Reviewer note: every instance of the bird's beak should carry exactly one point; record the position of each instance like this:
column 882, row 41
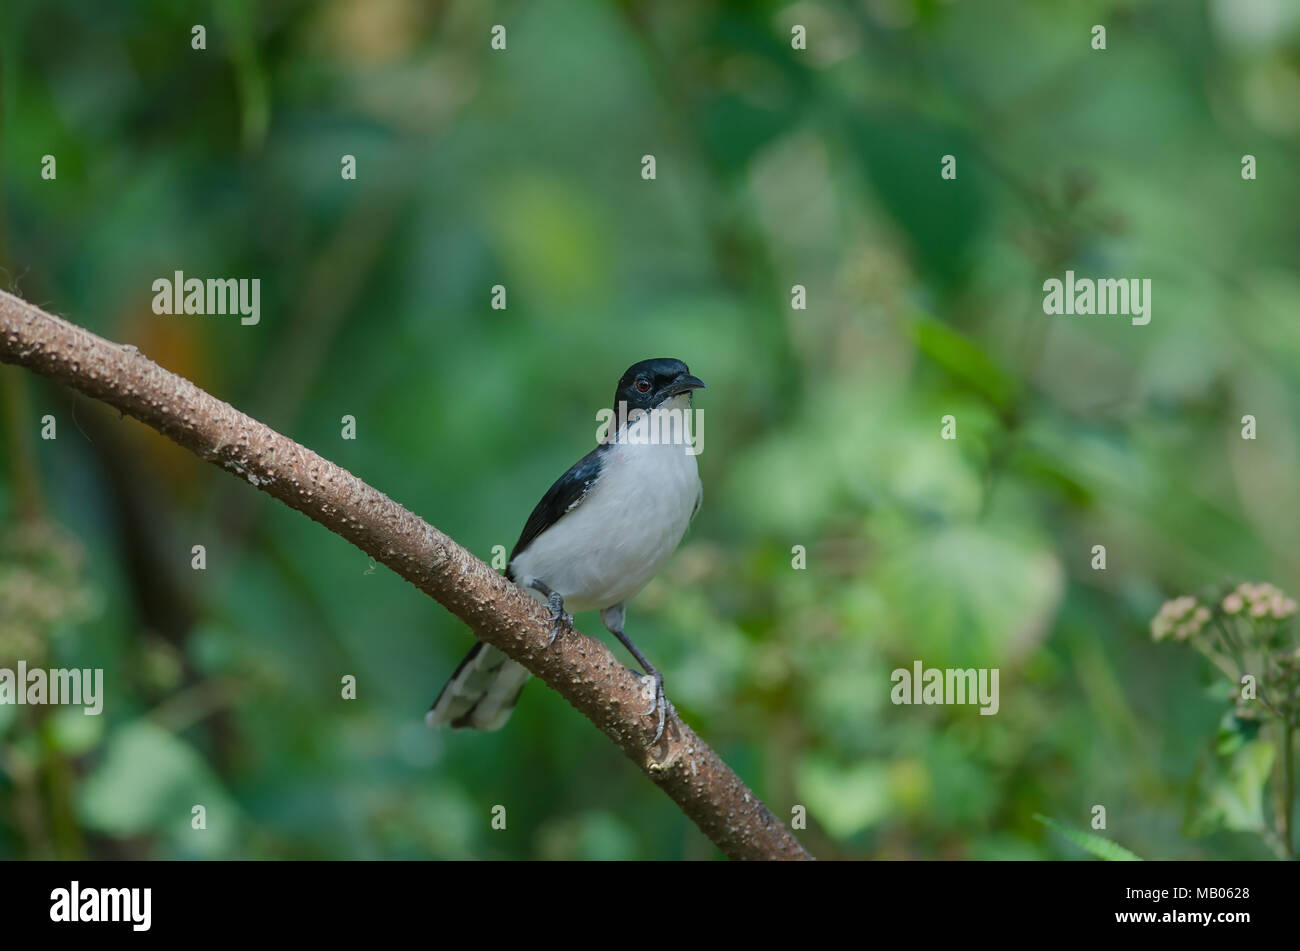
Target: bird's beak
column 684, row 384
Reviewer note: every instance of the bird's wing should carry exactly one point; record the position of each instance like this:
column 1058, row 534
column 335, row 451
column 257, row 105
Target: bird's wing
column 564, row 496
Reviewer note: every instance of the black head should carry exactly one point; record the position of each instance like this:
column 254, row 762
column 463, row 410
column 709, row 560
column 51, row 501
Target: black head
column 647, row 384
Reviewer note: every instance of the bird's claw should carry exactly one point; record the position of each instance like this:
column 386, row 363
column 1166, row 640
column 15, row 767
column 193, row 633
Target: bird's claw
column 561, row 622
column 659, row 703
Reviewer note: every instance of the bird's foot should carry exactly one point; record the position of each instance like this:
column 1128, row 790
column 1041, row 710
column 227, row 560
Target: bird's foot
column 561, row 623
column 654, row 684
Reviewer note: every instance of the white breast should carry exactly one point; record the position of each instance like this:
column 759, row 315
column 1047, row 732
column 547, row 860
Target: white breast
column 607, row 549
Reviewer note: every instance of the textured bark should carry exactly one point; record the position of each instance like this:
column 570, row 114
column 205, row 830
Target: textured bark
column 581, row 669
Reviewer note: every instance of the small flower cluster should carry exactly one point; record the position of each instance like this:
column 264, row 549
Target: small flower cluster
column 1247, row 634
column 1182, row 617
column 1259, row 601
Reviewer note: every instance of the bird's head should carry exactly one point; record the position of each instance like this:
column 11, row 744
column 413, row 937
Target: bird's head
column 652, row 383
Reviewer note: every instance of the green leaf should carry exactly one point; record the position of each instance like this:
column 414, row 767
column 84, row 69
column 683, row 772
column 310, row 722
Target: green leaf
column 148, row 782
column 1234, row 733
column 1096, row 845
column 964, row 361
column 845, row 800
column 1228, row 790
column 72, row 731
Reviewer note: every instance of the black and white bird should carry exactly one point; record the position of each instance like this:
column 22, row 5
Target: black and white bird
column 596, row 538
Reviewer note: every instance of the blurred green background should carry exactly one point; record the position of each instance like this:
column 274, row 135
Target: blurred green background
column 775, row 167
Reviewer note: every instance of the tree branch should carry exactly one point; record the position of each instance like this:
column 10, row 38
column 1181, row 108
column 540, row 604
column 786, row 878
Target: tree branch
column 579, row 668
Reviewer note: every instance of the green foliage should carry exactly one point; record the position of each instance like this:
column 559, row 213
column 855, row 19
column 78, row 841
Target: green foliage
column 1091, row 843
column 148, row 782
column 1228, row 790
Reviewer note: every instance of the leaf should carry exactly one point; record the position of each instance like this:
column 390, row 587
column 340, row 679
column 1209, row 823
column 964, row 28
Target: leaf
column 845, row 800
column 963, row 360
column 1102, row 848
column 73, row 732
column 148, row 782
column 1234, row 732
column 1228, row 790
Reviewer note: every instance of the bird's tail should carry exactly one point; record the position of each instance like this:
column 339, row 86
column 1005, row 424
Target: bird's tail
column 481, row 693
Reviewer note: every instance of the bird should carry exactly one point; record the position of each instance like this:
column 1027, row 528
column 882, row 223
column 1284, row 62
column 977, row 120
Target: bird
column 596, row 538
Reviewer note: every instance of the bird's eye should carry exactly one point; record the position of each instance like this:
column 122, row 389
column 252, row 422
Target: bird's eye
column 643, row 386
